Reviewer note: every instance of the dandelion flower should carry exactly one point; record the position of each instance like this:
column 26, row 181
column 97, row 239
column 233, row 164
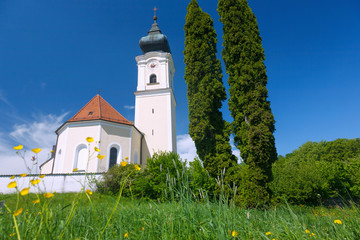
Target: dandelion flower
column 48, row 195
column 96, row 149
column 137, row 167
column 234, row 233
column 88, row 191
column 126, row 235
column 143, row 228
column 23, row 175
column 89, row 139
column 52, row 151
column 127, row 158
column 123, row 163
column 100, row 156
column 24, row 192
column 75, row 170
column 12, row 184
column 18, row 212
column 12, row 177
column 307, row 231
column 36, row 150
column 268, row 233
column 12, row 234
column 36, row 201
column 18, row 147
column 337, row 221
column 42, row 176
column 35, row 181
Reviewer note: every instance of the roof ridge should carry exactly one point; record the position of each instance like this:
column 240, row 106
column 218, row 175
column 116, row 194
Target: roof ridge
column 100, row 116
column 82, row 108
column 99, row 108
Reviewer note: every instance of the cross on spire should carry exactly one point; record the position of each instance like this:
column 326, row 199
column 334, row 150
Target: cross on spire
column 155, row 17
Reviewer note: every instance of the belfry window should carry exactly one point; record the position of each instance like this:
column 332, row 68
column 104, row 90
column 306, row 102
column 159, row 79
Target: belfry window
column 152, row 78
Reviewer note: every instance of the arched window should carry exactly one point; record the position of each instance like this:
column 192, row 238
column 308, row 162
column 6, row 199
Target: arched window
column 113, row 156
column 81, row 158
column 152, row 78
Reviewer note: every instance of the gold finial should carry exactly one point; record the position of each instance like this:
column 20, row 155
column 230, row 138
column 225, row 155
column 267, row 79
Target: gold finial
column 155, row 17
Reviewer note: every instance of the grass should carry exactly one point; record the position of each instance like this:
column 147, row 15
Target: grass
column 174, row 220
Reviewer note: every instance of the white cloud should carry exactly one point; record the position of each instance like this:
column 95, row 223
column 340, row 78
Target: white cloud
column 187, row 150
column 129, row 107
column 186, row 147
column 37, row 134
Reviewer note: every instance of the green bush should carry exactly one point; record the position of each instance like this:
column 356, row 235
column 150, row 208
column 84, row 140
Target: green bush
column 162, row 168
column 150, row 182
column 318, row 171
column 200, row 179
column 115, row 177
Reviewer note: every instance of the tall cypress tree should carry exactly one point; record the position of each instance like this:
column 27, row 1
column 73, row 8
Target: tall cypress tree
column 205, row 92
column 253, row 123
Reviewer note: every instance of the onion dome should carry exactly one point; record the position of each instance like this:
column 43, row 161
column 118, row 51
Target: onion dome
column 155, row 41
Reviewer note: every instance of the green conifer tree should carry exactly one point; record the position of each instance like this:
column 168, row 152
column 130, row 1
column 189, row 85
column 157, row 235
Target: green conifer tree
column 253, row 123
column 205, row 92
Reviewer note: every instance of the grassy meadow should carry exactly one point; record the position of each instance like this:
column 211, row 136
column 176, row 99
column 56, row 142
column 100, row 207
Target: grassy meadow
column 184, row 219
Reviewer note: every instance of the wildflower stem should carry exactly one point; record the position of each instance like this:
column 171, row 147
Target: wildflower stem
column 17, row 228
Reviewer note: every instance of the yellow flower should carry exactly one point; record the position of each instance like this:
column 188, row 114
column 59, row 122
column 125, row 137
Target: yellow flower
column 234, row 233
column 268, row 233
column 338, row 221
column 12, row 177
column 36, row 201
column 96, row 149
column 89, row 139
column 123, row 163
column 24, row 192
column 52, row 151
column 307, row 231
column 313, row 234
column 36, row 150
column 23, row 175
column 12, row 184
column 42, row 176
column 75, row 170
column 48, row 195
column 100, row 156
column 143, row 228
column 137, row 167
column 35, row 181
column 18, row 147
column 126, row 158
column 12, row 234
column 88, row 191
column 126, row 235
column 18, row 212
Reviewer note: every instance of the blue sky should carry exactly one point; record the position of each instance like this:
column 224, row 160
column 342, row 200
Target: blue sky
column 56, row 55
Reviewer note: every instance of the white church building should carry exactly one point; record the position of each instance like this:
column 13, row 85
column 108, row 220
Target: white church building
column 119, row 139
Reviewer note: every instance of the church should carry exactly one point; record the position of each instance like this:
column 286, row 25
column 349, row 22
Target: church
column 118, row 139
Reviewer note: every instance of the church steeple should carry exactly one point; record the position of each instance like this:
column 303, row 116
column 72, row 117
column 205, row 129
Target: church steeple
column 155, row 40
column 154, row 99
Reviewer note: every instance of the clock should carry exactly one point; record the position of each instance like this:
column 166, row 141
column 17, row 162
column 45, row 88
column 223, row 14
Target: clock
column 153, row 65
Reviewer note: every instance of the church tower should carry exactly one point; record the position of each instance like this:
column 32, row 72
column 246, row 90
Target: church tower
column 154, row 98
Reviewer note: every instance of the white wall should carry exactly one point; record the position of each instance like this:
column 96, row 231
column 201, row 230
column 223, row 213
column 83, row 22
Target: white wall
column 53, row 182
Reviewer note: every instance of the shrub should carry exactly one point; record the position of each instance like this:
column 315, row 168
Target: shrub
column 318, row 171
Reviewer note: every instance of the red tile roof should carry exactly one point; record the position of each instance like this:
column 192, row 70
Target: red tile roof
column 97, row 109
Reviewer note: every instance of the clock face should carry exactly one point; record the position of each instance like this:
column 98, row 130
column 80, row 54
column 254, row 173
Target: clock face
column 153, row 65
